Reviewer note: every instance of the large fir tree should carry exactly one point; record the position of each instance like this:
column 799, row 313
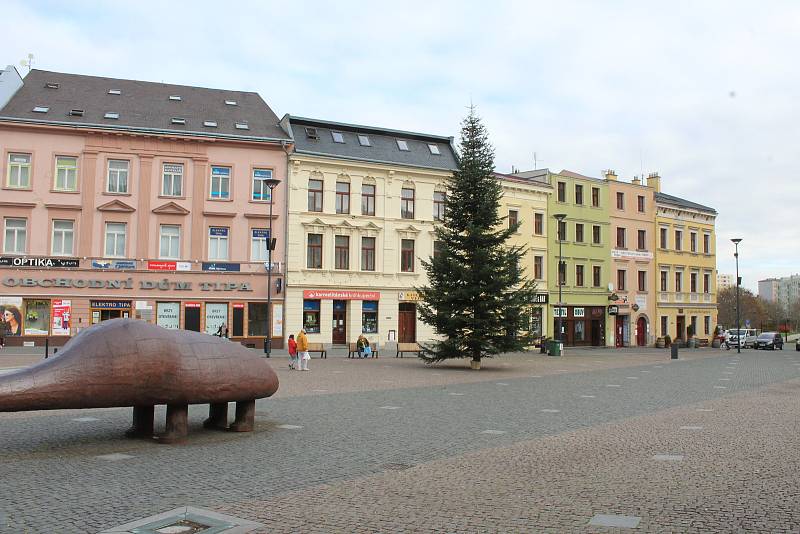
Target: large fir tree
column 477, row 299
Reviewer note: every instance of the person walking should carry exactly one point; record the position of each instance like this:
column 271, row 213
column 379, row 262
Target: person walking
column 302, row 350
column 292, row 352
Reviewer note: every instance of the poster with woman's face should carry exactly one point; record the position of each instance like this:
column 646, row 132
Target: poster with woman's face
column 11, row 315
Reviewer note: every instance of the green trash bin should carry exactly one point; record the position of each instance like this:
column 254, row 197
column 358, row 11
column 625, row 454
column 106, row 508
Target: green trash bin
column 555, row 348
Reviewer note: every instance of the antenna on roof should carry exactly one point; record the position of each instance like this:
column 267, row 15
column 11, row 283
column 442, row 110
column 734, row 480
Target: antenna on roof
column 536, row 161
column 27, row 62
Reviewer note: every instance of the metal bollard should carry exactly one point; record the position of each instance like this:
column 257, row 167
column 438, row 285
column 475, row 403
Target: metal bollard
column 674, row 351
column 46, row 347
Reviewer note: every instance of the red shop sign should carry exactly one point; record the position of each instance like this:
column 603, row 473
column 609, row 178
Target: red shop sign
column 162, row 265
column 314, row 294
column 192, row 305
column 238, row 305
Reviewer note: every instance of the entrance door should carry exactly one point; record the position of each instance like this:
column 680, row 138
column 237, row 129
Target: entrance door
column 681, row 321
column 597, row 333
column 641, row 332
column 191, row 319
column 339, row 322
column 619, row 329
column 407, row 324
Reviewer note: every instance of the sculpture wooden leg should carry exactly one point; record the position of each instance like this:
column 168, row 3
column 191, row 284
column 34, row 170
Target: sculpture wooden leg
column 177, row 423
column 245, row 416
column 217, row 416
column 142, row 426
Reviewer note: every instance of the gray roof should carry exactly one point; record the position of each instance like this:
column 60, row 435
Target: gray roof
column 383, row 144
column 142, row 107
column 681, row 203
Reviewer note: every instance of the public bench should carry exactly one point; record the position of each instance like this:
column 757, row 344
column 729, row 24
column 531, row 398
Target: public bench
column 318, row 347
column 352, row 350
column 407, row 347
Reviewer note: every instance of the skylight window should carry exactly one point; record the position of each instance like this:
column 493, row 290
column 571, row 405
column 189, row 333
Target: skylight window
column 402, row 145
column 41, row 109
column 175, row 97
column 312, row 133
column 242, row 126
column 178, row 120
column 51, row 85
column 76, row 112
column 337, row 137
column 111, row 115
column 363, row 140
column 114, row 92
column 210, row 124
column 434, row 149
column 231, row 103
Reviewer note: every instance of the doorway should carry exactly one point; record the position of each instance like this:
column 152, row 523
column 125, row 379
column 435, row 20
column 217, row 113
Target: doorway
column 641, row 332
column 681, row 322
column 407, row 323
column 339, row 336
column 619, row 330
column 104, row 311
column 191, row 317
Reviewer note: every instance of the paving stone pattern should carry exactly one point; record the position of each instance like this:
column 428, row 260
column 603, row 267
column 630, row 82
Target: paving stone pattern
column 554, row 470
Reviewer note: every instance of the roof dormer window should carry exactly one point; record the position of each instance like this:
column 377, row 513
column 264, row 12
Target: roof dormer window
column 178, row 120
column 402, row 145
column 41, row 109
column 76, row 112
column 51, row 85
column 312, row 133
column 175, row 97
column 434, row 149
column 363, row 140
column 242, row 126
column 114, row 92
column 210, row 124
column 338, row 137
column 231, row 103
column 111, row 115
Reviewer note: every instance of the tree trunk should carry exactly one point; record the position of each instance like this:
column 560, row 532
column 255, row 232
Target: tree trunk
column 475, row 364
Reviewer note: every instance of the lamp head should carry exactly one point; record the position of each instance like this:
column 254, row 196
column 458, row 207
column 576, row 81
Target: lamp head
column 272, row 183
column 736, row 240
column 560, row 216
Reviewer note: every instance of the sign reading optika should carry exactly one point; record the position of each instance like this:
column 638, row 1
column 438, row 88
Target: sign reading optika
column 162, row 285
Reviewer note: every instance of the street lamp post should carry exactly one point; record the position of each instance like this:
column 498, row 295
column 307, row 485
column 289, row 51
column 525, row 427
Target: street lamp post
column 560, row 218
column 272, row 183
column 736, row 242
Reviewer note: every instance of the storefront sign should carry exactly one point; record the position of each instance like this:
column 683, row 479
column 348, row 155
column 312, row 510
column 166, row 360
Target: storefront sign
column 559, row 312
column 121, row 265
column 110, row 304
column 635, row 254
column 578, row 312
column 40, row 263
column 341, row 295
column 613, row 310
column 238, row 305
column 165, row 284
column 409, row 296
column 169, row 266
column 216, row 266
column 540, row 298
column 167, row 315
column 191, row 304
column 62, row 310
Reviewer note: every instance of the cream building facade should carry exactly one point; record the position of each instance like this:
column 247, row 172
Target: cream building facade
column 362, row 205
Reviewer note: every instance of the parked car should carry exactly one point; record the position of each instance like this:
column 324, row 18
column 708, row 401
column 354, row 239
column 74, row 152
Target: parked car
column 797, row 344
column 769, row 340
column 749, row 336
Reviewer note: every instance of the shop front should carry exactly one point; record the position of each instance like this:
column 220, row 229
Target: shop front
column 580, row 325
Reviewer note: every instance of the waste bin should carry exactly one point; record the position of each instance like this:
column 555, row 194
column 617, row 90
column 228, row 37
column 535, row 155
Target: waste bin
column 555, row 348
column 674, row 351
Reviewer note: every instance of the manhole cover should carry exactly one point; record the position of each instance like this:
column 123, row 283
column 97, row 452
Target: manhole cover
column 184, row 526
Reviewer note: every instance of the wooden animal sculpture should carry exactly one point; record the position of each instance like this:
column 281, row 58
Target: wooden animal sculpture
column 126, row 362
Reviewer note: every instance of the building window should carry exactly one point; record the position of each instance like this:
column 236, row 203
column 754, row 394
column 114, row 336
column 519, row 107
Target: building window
column 315, row 195
column 620, row 237
column 437, row 249
column 115, row 240
column 407, row 255
column 261, row 190
column 642, row 239
column 663, row 325
column 562, row 273
column 434, row 149
column 402, row 145
column 693, row 282
column 562, row 231
column 678, row 240
column 259, row 237
column 257, row 319
column 170, row 242
column 693, row 241
column 15, row 236
column 693, row 322
column 369, row 316
column 538, row 267
column 596, row 197
column 218, row 243
column 707, row 324
column 663, row 237
column 640, row 203
column 706, row 244
column 621, row 279
column 63, row 238
column 620, row 201
column 407, row 203
column 642, row 280
column 342, row 252
column 579, row 233
column 513, row 218
column 439, row 200
column 596, row 276
column 538, row 223
column 311, row 316
column 678, row 282
column 579, row 194
column 367, row 199
column 363, row 140
column 338, row 137
column 314, row 253
column 367, row 253
column 117, row 176
column 596, row 234
column 562, row 191
column 19, row 171
column 706, row 283
column 664, row 276
column 579, row 275
column 66, row 173
column 172, row 180
column 220, row 183
column 342, row 197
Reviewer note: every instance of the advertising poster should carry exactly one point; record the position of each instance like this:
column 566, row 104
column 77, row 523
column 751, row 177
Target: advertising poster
column 277, row 320
column 11, row 315
column 216, row 315
column 62, row 310
column 37, row 317
column 168, row 314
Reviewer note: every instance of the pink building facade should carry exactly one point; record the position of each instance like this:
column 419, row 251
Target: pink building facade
column 164, row 218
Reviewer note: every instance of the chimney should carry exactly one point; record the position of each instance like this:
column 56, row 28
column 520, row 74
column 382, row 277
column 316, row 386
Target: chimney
column 636, row 181
column 654, row 181
column 610, row 175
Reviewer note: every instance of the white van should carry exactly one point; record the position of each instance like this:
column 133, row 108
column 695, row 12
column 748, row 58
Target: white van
column 748, row 335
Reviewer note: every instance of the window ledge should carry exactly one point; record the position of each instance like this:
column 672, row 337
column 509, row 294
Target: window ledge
column 170, row 197
column 66, row 191
column 220, row 199
column 110, row 194
column 10, row 188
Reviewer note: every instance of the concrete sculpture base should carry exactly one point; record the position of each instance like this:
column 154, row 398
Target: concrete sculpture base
column 125, row 362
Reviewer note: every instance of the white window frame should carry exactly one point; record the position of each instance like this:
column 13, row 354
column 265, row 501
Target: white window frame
column 169, row 178
column 118, row 177
column 60, row 237
column 114, row 238
column 19, row 167
column 221, row 178
column 216, row 242
column 66, row 175
column 258, row 245
column 172, row 241
column 265, row 191
column 15, row 238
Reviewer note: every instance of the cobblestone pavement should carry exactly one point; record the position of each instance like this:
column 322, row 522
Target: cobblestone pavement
column 529, row 444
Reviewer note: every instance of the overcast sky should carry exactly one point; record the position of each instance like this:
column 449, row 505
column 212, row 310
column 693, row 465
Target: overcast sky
column 705, row 93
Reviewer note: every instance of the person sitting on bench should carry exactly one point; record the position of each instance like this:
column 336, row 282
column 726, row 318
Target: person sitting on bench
column 362, row 345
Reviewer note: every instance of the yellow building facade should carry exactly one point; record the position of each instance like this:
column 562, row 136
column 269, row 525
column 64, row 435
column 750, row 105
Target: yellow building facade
column 685, row 267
